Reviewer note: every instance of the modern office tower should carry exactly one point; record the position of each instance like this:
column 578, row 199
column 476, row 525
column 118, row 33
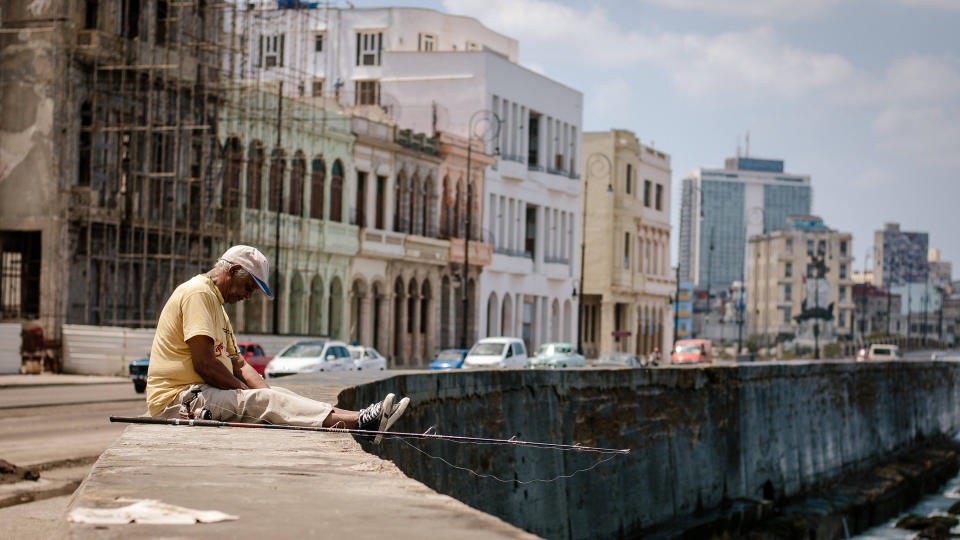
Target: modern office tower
column 722, row 208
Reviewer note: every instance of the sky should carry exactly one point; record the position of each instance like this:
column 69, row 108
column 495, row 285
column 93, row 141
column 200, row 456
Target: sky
column 863, row 95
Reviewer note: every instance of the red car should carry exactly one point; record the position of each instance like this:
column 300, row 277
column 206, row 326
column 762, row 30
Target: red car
column 253, row 354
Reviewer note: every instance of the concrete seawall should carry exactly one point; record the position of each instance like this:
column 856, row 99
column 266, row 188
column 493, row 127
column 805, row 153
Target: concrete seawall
column 699, row 438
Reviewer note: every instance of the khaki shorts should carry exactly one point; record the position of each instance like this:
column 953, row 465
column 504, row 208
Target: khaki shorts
column 260, row 405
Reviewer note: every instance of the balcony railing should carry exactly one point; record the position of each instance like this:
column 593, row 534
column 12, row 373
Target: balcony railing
column 558, row 172
column 534, row 167
column 556, row 260
column 511, row 157
column 575, row 176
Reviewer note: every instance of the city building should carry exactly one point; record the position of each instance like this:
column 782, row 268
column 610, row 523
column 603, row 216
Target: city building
column 111, row 181
column 721, row 208
column 901, row 257
column 627, row 286
column 863, row 276
column 874, row 308
column 288, row 183
column 683, row 311
column 921, row 307
column 941, row 272
column 434, row 73
column 789, row 290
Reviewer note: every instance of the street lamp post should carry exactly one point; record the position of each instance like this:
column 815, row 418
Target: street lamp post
column 484, row 125
column 598, row 165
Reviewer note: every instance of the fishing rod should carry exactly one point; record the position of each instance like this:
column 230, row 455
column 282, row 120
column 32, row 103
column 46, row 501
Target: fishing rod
column 425, row 435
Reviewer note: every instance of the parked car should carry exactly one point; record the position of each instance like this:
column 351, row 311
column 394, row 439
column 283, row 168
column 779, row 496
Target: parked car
column 310, row 357
column 449, row 359
column 618, row 359
column 693, row 351
column 253, row 354
column 557, row 355
column 138, row 373
column 366, row 358
column 497, row 352
column 885, row 352
column 862, row 354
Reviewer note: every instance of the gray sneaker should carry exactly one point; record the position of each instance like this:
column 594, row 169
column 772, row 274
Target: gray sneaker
column 396, row 411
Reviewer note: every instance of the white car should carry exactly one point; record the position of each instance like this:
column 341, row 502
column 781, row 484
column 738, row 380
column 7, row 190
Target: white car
column 367, row 358
column 310, row 357
column 497, row 352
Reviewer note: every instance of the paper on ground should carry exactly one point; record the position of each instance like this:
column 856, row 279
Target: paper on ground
column 147, row 511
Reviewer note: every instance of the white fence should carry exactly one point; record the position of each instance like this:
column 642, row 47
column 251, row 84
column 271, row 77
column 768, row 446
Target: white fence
column 106, row 350
column 10, row 347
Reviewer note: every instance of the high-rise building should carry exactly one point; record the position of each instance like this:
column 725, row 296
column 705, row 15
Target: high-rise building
column 901, row 256
column 721, row 208
column 941, row 272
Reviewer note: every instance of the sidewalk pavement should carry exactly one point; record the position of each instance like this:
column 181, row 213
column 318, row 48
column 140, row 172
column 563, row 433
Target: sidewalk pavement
column 50, row 379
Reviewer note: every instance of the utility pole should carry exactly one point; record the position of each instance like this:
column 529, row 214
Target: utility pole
column 276, row 273
column 490, row 124
column 676, row 308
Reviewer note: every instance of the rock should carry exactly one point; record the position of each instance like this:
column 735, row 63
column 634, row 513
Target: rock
column 928, row 524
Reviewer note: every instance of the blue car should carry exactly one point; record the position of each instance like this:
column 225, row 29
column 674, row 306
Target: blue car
column 138, row 372
column 449, row 359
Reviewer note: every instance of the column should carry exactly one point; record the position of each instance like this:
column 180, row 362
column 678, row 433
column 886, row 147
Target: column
column 365, row 319
column 606, row 326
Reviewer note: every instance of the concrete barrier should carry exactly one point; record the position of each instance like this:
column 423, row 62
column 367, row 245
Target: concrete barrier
column 699, row 438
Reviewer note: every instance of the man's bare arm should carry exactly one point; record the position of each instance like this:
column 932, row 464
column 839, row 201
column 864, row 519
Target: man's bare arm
column 210, row 369
column 245, row 372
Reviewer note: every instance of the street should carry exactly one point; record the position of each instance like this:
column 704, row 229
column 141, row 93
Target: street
column 61, row 429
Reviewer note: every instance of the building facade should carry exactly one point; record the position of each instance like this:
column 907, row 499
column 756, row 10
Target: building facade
column 721, row 208
column 434, row 73
column 109, row 186
column 876, row 311
column 288, row 184
column 627, row 286
column 901, row 257
column 784, row 282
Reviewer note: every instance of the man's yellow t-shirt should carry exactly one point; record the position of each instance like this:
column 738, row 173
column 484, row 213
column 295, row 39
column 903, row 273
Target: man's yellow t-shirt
column 194, row 309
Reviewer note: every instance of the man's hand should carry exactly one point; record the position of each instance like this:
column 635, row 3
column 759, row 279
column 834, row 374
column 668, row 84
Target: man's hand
column 211, row 370
column 245, row 372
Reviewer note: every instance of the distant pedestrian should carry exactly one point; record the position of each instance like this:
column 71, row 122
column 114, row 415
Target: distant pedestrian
column 196, row 370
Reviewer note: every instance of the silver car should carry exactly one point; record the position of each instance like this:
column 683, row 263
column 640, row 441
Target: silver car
column 366, row 358
column 310, row 357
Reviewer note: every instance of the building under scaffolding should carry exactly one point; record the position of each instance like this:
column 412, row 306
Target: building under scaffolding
column 111, row 171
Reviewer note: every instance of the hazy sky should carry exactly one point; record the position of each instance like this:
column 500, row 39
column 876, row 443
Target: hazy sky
column 863, row 95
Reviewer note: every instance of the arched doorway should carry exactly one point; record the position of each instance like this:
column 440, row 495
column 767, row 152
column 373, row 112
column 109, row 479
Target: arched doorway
column 555, row 320
column 398, row 303
column 426, row 322
column 335, row 312
column 296, row 305
column 446, row 336
column 567, row 314
column 358, row 292
column 492, row 315
column 316, row 306
column 506, row 317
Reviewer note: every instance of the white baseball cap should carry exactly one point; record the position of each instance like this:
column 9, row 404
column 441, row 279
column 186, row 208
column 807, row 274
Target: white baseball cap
column 250, row 259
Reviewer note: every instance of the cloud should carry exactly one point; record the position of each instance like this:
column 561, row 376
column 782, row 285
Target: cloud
column 926, row 133
column 922, row 78
column 767, row 9
column 743, row 62
column 935, row 4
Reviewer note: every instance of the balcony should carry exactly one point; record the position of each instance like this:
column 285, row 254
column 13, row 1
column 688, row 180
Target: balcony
column 556, row 270
column 379, row 243
column 481, row 253
column 426, row 250
column 260, row 227
column 511, row 263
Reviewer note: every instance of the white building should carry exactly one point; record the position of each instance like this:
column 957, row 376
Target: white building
column 431, row 72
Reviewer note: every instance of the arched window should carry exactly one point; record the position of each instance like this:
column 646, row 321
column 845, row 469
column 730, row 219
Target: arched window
column 445, row 208
column 318, row 172
column 457, row 205
column 233, row 161
column 297, row 172
column 254, row 173
column 336, row 191
column 278, row 164
column 398, row 192
column 412, row 198
column 427, row 213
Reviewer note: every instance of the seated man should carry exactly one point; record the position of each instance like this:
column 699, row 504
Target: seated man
column 196, row 370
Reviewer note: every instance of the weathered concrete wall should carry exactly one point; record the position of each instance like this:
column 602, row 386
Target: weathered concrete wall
column 698, row 437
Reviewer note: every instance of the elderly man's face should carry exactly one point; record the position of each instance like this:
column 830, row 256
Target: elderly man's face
column 239, row 288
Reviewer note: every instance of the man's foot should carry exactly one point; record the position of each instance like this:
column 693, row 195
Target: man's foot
column 382, row 415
